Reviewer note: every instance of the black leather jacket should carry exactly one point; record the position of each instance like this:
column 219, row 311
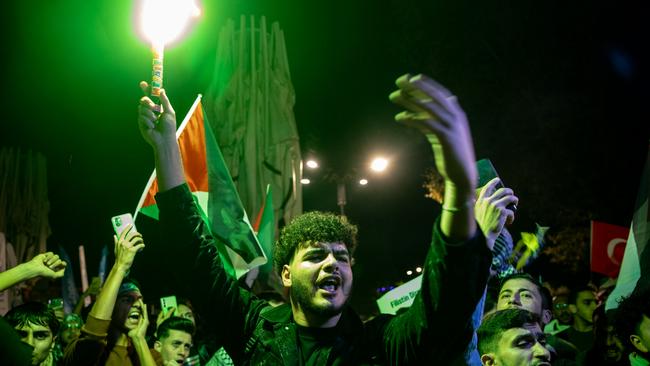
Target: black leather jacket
column 435, row 329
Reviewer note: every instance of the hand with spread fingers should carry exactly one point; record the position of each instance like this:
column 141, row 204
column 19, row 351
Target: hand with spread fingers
column 127, row 245
column 491, row 209
column 435, row 111
column 432, row 109
column 157, row 129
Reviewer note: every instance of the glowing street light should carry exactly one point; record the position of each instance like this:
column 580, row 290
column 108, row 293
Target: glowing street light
column 305, row 181
column 312, row 164
column 409, row 272
column 161, row 22
column 363, row 182
column 418, row 269
column 379, row 164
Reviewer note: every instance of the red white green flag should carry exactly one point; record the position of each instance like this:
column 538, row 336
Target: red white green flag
column 214, row 191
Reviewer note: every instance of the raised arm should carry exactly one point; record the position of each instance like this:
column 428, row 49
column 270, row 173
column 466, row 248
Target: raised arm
column 219, row 299
column 432, row 109
column 437, row 327
column 47, row 265
column 159, row 131
column 126, row 246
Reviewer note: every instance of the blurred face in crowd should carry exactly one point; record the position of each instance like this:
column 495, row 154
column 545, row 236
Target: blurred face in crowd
column 70, row 329
column 583, row 309
column 128, row 310
column 38, row 336
column 523, row 294
column 561, row 310
column 184, row 311
column 175, row 348
column 320, row 279
column 641, row 340
column 613, row 351
column 524, row 346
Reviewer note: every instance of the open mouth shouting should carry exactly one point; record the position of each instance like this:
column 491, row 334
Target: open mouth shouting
column 329, row 284
column 134, row 314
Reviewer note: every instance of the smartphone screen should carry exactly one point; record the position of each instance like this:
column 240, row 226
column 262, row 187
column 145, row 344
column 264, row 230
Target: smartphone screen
column 487, row 172
column 167, row 302
column 120, row 223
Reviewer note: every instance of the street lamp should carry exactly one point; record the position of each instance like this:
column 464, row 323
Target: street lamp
column 378, row 165
column 312, row 164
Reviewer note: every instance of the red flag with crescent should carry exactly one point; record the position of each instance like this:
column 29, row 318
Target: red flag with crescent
column 607, row 247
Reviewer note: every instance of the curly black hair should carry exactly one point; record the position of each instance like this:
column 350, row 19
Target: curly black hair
column 313, row 227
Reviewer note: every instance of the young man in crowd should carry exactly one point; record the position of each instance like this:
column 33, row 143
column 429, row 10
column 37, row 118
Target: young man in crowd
column 582, row 303
column 173, row 341
column 114, row 333
column 522, row 291
column 512, row 337
column 562, row 317
column 633, row 327
column 37, row 326
column 47, row 265
column 314, row 258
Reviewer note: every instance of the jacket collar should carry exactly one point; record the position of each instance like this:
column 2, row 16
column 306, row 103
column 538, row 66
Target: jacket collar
column 349, row 322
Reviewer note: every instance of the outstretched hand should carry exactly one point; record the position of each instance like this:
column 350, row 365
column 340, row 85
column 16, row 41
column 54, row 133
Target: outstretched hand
column 491, row 209
column 94, row 288
column 435, row 111
column 127, row 245
column 47, row 265
column 156, row 128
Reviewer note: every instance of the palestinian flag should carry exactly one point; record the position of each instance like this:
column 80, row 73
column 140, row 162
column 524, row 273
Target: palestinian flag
column 635, row 268
column 265, row 228
column 214, row 191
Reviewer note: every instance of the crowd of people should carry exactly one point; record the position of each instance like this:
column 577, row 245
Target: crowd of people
column 452, row 320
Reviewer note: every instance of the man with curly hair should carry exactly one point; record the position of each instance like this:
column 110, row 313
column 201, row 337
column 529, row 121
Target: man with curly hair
column 314, row 258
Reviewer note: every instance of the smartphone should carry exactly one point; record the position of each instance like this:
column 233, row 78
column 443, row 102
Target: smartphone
column 167, row 302
column 487, row 172
column 120, row 223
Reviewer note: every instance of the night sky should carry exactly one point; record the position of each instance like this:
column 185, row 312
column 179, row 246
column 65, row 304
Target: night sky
column 555, row 92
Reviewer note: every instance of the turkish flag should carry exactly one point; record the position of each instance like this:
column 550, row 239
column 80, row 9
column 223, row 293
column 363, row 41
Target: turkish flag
column 607, row 247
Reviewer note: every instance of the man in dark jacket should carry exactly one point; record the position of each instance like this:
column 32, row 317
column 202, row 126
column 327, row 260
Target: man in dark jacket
column 314, row 256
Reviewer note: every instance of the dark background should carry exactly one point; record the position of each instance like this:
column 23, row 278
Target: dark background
column 556, row 93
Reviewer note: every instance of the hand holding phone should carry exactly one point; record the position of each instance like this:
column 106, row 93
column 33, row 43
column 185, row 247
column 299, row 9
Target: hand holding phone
column 167, row 303
column 487, row 172
column 120, row 223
